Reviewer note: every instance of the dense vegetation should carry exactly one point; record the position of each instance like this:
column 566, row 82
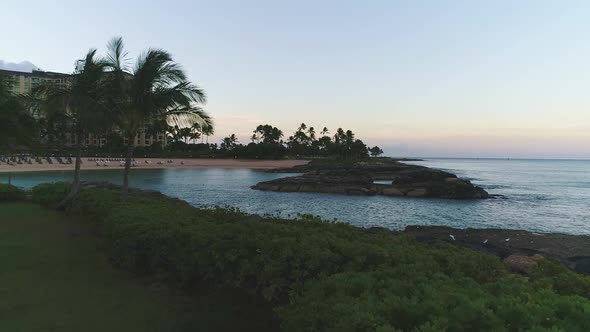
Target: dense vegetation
column 11, row 193
column 266, row 142
column 330, row 276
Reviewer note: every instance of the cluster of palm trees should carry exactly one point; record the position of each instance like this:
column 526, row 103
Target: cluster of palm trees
column 343, row 144
column 189, row 134
column 268, row 141
column 229, row 142
column 109, row 92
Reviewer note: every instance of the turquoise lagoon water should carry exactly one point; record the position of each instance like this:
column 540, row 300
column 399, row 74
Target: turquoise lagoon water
column 539, row 195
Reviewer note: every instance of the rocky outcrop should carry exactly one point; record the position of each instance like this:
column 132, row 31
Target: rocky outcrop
column 519, row 249
column 523, row 264
column 383, row 177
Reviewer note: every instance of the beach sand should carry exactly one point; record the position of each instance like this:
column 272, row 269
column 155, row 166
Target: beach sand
column 152, row 163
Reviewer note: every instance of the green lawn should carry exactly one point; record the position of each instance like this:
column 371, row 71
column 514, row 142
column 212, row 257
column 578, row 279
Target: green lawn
column 55, row 277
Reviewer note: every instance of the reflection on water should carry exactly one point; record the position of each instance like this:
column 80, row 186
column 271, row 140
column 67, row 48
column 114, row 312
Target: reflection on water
column 550, row 196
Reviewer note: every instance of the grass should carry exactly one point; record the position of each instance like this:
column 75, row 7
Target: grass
column 54, row 276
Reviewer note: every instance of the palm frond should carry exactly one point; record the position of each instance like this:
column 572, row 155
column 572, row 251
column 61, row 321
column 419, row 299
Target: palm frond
column 185, row 117
column 194, row 93
column 156, row 68
column 117, row 55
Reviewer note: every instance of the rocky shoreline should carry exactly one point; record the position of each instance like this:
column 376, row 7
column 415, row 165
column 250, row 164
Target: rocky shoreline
column 379, row 176
column 519, row 249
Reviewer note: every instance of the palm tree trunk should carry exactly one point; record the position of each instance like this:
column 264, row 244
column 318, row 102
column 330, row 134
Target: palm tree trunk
column 128, row 157
column 76, row 184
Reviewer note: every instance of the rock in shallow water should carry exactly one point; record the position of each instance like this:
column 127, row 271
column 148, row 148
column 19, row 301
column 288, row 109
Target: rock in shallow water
column 359, row 179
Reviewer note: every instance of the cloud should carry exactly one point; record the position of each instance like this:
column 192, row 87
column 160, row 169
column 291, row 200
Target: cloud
column 23, row 66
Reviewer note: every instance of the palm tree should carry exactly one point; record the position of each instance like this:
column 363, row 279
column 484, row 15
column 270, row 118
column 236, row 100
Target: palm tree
column 79, row 106
column 229, row 142
column 268, row 134
column 185, row 134
column 302, row 127
column 311, row 133
column 207, row 131
column 339, row 136
column 197, row 132
column 155, row 88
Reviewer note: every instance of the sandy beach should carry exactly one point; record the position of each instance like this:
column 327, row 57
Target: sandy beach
column 156, row 163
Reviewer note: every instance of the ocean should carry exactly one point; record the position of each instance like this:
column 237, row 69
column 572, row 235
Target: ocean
column 536, row 195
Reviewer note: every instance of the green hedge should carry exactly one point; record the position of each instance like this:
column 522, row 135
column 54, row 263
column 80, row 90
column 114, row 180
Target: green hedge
column 11, row 193
column 50, row 194
column 330, row 276
column 270, row 256
column 409, row 300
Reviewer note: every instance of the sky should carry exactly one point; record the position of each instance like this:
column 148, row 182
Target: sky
column 507, row 79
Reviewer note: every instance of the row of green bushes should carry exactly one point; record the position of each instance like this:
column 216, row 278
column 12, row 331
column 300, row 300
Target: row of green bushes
column 10, row 193
column 330, row 276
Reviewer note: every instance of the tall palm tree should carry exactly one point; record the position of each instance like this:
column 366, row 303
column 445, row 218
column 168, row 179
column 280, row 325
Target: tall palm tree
column 268, row 134
column 197, row 132
column 78, row 105
column 155, row 88
column 207, row 131
column 311, row 133
column 229, row 142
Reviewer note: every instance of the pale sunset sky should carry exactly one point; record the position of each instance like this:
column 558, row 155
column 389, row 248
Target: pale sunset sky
column 418, row 78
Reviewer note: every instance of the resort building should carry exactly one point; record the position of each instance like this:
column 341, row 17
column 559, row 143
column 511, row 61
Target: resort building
column 24, row 82
column 142, row 139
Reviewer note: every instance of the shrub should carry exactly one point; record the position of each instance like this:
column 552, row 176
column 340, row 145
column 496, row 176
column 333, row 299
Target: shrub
column 11, row 193
column 331, row 276
column 50, row 194
column 270, row 256
column 409, row 300
column 94, row 204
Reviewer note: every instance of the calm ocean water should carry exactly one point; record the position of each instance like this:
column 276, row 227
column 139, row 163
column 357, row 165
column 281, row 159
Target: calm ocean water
column 539, row 195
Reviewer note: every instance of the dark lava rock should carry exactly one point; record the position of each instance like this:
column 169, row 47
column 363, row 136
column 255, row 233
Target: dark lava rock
column 581, row 264
column 358, row 178
column 572, row 250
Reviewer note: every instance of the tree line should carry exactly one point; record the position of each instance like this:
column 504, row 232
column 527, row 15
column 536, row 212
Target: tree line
column 267, row 140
